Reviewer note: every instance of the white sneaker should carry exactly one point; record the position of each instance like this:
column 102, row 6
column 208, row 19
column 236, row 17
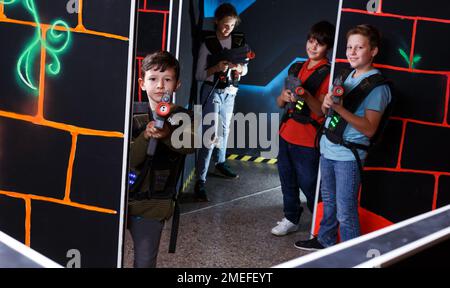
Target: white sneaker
column 284, row 227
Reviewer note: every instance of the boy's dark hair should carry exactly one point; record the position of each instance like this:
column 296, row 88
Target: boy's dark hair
column 368, row 31
column 323, row 32
column 160, row 61
column 227, row 10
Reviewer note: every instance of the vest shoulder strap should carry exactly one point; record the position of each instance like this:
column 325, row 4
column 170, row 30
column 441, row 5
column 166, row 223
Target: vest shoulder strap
column 356, row 96
column 237, row 39
column 295, row 68
column 342, row 76
column 211, row 42
column 376, row 138
column 314, row 81
column 208, row 34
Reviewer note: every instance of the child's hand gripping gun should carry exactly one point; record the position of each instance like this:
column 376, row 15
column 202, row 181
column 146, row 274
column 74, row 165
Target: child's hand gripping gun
column 338, row 92
column 294, row 85
column 159, row 115
column 240, row 55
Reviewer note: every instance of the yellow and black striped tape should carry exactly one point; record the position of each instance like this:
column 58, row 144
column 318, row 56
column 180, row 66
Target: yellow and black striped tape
column 244, row 158
column 255, row 159
column 188, row 181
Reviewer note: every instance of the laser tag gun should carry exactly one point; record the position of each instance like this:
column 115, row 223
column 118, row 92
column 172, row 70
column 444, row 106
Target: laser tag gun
column 240, row 55
column 338, row 92
column 294, row 85
column 159, row 116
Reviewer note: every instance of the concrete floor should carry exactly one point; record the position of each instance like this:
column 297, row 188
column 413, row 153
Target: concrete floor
column 232, row 230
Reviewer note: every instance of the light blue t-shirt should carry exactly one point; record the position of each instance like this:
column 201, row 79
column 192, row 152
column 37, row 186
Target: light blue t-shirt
column 377, row 100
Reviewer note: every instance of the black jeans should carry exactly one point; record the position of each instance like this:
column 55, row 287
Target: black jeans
column 146, row 234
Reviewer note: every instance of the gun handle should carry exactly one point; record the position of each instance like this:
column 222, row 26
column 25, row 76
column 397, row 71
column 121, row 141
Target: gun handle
column 151, row 148
column 153, row 142
column 336, row 100
column 159, row 122
column 330, row 112
column 289, row 107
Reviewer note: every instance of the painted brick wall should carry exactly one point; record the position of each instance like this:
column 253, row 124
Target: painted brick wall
column 408, row 175
column 61, row 144
column 152, row 34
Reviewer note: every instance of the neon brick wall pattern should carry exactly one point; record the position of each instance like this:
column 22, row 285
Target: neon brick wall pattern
column 416, row 19
column 445, row 122
column 405, row 121
column 164, row 32
column 154, row 5
column 39, row 119
column 411, row 69
column 139, row 59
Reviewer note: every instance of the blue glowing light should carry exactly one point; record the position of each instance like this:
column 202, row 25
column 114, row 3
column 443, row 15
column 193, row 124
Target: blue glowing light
column 211, row 5
column 273, row 86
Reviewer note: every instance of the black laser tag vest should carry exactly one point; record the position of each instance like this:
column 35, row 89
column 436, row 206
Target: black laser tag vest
column 352, row 100
column 164, row 169
column 214, row 47
column 312, row 85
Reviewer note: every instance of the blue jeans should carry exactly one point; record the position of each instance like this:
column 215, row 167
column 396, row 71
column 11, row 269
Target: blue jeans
column 297, row 168
column 222, row 105
column 339, row 189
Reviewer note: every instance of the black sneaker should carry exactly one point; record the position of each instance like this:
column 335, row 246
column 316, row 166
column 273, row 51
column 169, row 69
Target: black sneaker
column 309, row 245
column 225, row 170
column 200, row 191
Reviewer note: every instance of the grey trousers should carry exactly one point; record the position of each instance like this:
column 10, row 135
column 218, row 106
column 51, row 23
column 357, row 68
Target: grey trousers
column 146, row 234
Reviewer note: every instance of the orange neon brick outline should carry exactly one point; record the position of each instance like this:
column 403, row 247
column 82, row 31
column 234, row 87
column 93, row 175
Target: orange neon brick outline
column 39, row 119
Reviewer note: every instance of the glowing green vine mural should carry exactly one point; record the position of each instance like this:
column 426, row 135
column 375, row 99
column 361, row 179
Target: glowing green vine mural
column 415, row 59
column 55, row 43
